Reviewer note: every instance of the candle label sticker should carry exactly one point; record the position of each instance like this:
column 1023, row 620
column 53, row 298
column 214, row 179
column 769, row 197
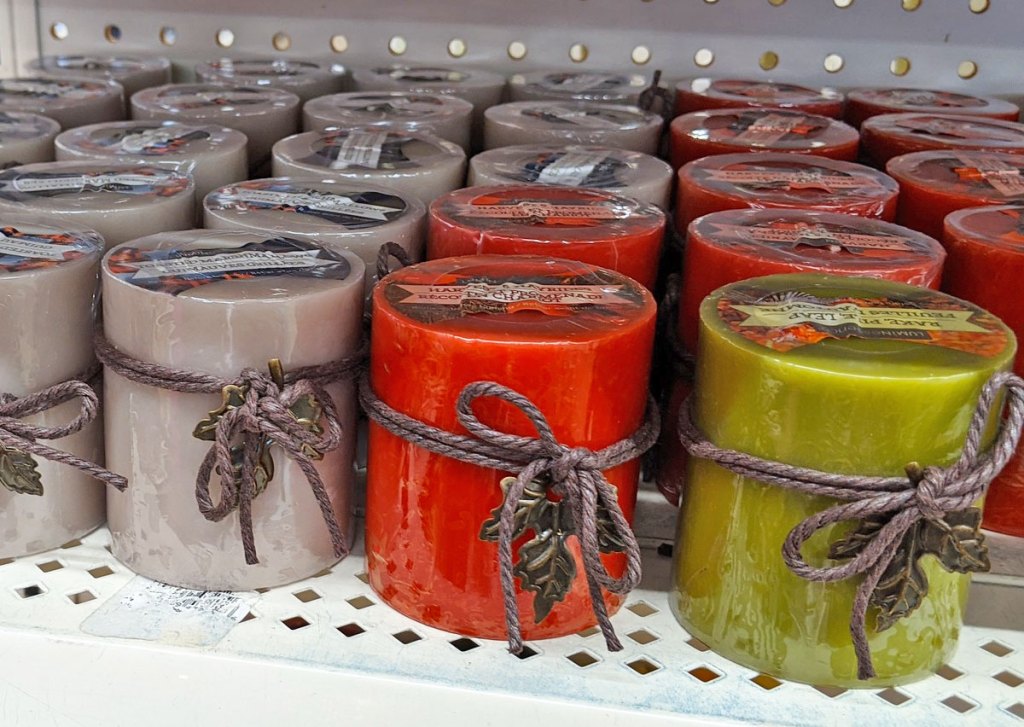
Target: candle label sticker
column 352, row 210
column 830, row 237
column 423, row 75
column 765, row 129
column 995, row 225
column 989, row 170
column 362, row 150
column 786, row 321
column 382, row 107
column 175, row 270
column 580, row 82
column 568, row 169
column 542, row 212
column 758, row 177
column 205, row 97
column 958, row 129
column 51, row 90
column 23, row 127
column 916, row 98
column 141, row 181
column 144, row 140
column 589, row 118
column 33, row 249
column 770, row 91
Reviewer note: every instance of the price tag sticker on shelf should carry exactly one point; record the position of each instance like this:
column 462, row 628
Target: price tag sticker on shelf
column 153, row 611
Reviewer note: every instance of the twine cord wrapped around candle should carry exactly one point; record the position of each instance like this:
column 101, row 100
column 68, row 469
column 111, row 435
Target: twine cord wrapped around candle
column 924, row 495
column 263, row 410
column 574, row 473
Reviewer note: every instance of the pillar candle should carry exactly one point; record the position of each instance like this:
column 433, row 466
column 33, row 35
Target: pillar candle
column 215, row 155
column 772, row 180
column 864, row 103
column 572, row 122
column 618, row 88
column 888, row 135
column 706, row 93
column 264, row 115
column 133, row 73
column 410, row 164
column 26, row 138
column 590, row 225
column 848, row 375
column 584, row 365
column 306, row 79
column 339, row 215
column 728, row 131
column 446, row 117
column 48, row 285
column 986, row 267
column 68, row 101
column 935, row 183
column 218, row 302
column 118, row 200
column 629, row 173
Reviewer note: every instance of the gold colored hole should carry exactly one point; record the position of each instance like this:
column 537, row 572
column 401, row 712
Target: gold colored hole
column 704, row 57
column 911, row 5
column 457, row 47
column 768, row 60
column 843, row 3
column 339, row 43
column 59, row 30
column 978, row 6
column 834, row 63
column 112, row 33
column 578, row 52
column 397, row 45
column 776, row 3
column 225, row 38
column 517, row 50
column 967, row 69
column 899, row 66
column 711, row 2
column 641, row 55
column 168, row 35
column 282, row 41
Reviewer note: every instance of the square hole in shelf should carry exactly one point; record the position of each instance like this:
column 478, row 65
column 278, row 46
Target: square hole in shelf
column 74, row 544
column 698, row 644
column 351, row 629
column 6, row 561
column 463, row 644
column 665, row 550
column 704, row 674
column 894, row 696
column 360, row 602
column 261, row 590
column 642, row 609
column 831, row 692
column 101, row 571
column 766, row 682
column 307, row 595
column 295, row 622
column 363, row 577
column 528, row 652
column 1017, row 710
column 583, row 659
column 321, row 574
column 82, row 597
column 408, row 636
column 959, row 704
column 997, row 648
column 50, row 566
column 949, row 673
column 1009, row 678
column 642, row 636
column 248, row 617
column 30, row 591
column 587, row 633
column 643, row 666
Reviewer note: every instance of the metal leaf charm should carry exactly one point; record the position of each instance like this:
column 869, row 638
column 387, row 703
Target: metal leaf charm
column 957, row 541
column 232, row 398
column 18, row 472
column 307, row 412
column 262, row 473
column 533, row 511
column 547, row 568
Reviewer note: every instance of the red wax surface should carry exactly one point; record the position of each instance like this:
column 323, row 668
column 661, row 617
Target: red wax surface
column 728, row 131
column 889, row 135
column 585, row 366
column 726, row 247
column 771, row 180
column 864, row 103
column 935, row 183
column 986, row 267
column 589, row 225
column 704, row 93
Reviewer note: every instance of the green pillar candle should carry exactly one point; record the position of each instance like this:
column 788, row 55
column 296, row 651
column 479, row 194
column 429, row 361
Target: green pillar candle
column 843, row 375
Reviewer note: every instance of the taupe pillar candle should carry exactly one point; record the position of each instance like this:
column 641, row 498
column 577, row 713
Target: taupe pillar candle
column 120, row 201
column 26, row 138
column 134, row 73
column 340, row 215
column 412, row 165
column 629, row 173
column 264, row 115
column 218, row 302
column 446, row 117
column 216, row 154
column 70, row 102
column 306, row 79
column 616, row 88
column 572, row 122
column 48, row 296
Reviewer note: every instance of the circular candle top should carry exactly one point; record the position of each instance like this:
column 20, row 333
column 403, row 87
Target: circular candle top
column 578, row 86
column 921, row 132
column 858, row 326
column 39, row 95
column 115, row 68
column 16, row 126
column 571, row 166
column 990, row 177
column 572, row 116
column 213, row 100
column 149, row 139
column 759, row 93
column 432, row 79
column 1001, row 227
column 546, row 214
column 789, row 180
column 934, row 102
column 278, row 72
column 373, row 149
column 762, row 128
column 405, row 110
column 801, row 237
column 71, row 186
column 28, row 244
column 233, row 267
column 284, row 205
column 503, row 299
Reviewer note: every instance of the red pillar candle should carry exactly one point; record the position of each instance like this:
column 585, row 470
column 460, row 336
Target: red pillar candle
column 864, row 103
column 889, row 135
column 771, row 180
column 986, row 267
column 441, row 325
column 589, row 225
column 705, row 93
column 935, row 183
column 728, row 131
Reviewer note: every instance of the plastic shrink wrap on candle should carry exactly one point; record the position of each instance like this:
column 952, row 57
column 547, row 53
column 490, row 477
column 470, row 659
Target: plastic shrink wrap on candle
column 889, row 135
column 618, row 88
column 307, row 79
column 70, row 102
column 26, row 138
column 134, row 73
column 864, row 103
column 700, row 94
